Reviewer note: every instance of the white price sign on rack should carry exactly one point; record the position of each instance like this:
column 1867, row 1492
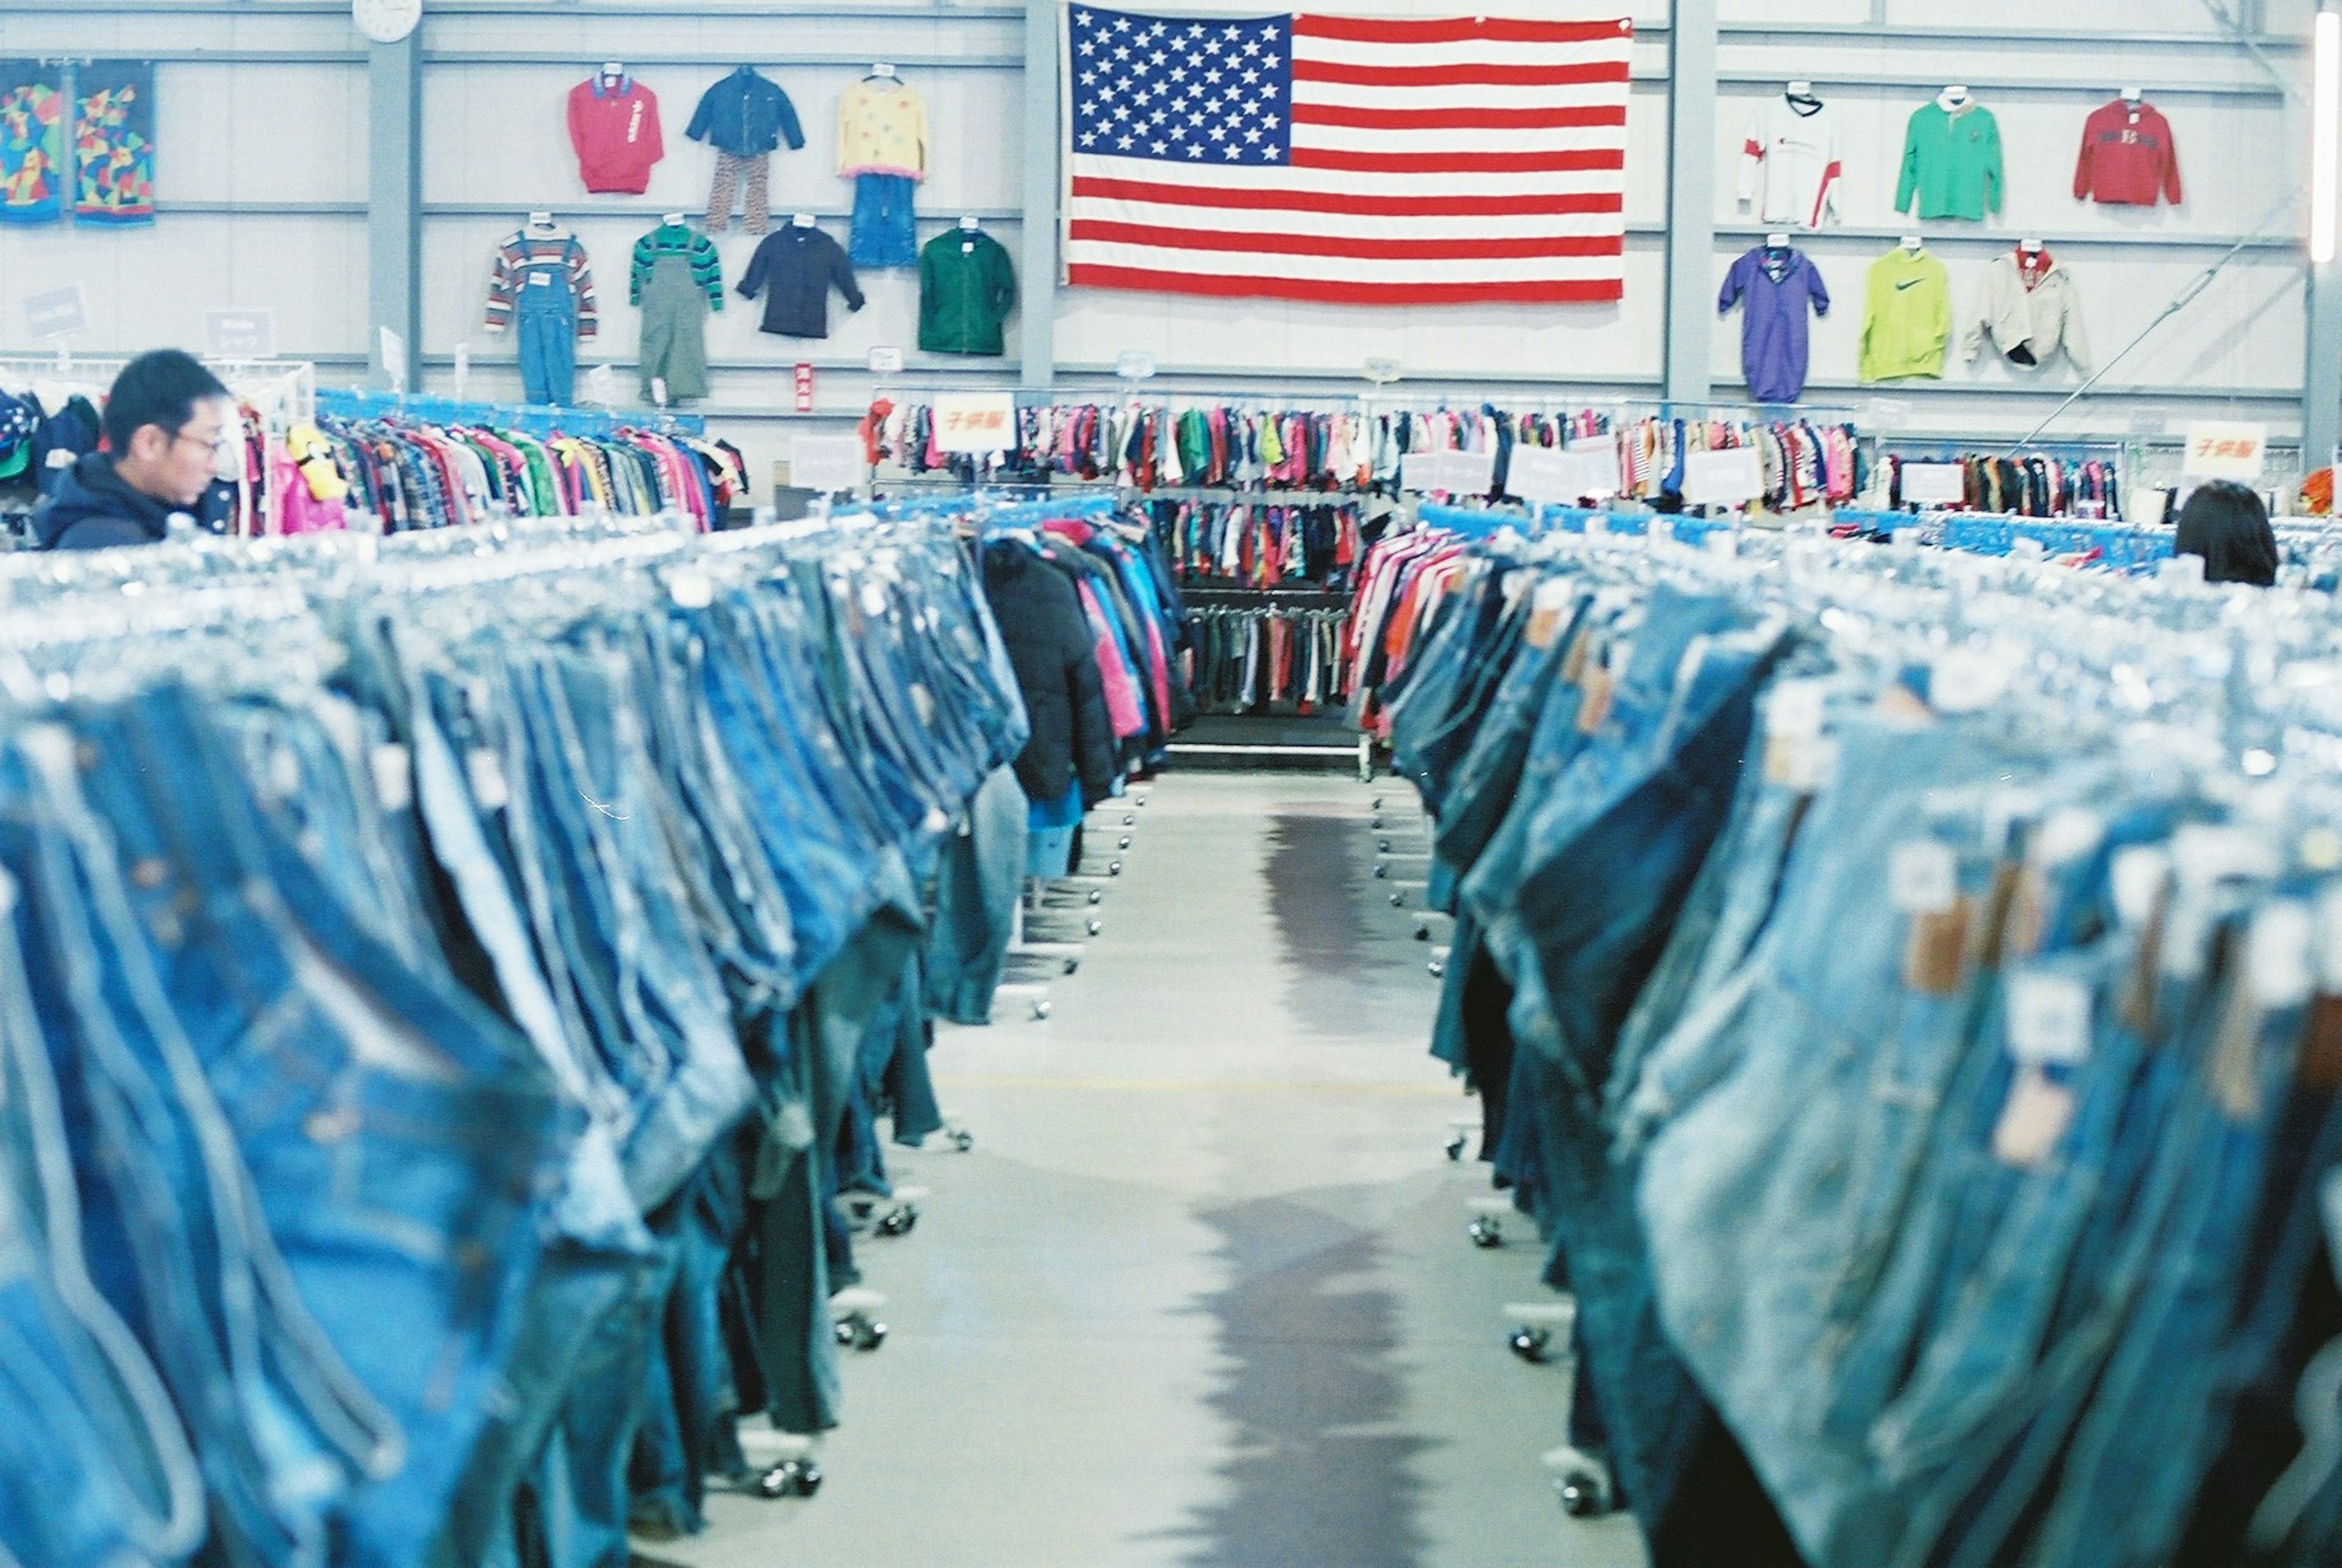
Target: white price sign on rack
column 976, row 421
column 827, row 463
column 1449, row 472
column 1594, row 466
column 2225, row 449
column 1934, row 484
column 1726, row 478
column 1541, row 473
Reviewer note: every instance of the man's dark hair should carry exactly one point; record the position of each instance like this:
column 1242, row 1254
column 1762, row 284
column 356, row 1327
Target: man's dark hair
column 158, row 388
column 2226, row 524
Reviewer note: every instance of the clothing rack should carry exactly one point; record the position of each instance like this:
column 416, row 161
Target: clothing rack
column 1114, row 396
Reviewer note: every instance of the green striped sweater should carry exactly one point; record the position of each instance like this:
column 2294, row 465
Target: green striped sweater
column 675, row 240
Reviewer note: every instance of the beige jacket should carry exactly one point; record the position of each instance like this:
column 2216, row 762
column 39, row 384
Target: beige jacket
column 2038, row 321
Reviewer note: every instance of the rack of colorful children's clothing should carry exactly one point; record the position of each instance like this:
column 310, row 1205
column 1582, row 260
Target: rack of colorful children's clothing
column 50, row 410
column 1318, row 442
column 1897, row 986
column 427, row 462
column 1816, row 459
column 1096, row 636
column 2064, row 479
column 485, row 960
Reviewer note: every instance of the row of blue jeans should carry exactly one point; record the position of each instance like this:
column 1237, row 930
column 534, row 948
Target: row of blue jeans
column 1927, row 1112
column 425, row 1089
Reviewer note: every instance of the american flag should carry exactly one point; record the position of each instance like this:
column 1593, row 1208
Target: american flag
column 1357, row 160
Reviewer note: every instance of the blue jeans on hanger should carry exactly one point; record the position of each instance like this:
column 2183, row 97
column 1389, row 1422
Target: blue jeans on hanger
column 884, row 234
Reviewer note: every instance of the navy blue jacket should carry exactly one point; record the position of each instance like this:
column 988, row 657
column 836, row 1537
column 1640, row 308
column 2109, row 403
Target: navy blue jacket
column 95, row 510
column 745, row 114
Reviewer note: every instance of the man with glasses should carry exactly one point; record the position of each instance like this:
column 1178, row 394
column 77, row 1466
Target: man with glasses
column 165, row 421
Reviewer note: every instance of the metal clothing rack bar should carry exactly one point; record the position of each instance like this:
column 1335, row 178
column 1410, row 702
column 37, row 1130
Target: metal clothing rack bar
column 1105, row 397
column 1250, row 497
column 538, row 419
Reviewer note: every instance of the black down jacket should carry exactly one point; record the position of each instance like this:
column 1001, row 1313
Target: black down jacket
column 1049, row 644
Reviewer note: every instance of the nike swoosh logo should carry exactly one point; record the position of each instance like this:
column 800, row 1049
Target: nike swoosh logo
column 1913, row 283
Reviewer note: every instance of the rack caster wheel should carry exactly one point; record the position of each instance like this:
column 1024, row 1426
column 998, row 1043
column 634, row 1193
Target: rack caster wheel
column 1422, row 931
column 1438, row 968
column 1094, row 926
column 859, row 1332
column 899, row 1221
column 1129, row 819
column 961, row 1139
column 1123, row 842
column 1098, row 895
column 1583, row 1496
column 1040, row 1009
column 1378, row 802
column 1073, row 966
column 1382, row 871
column 1383, row 845
column 1530, row 1343
column 1114, row 868
column 1398, row 900
column 1455, row 1147
column 790, row 1478
column 1485, row 1232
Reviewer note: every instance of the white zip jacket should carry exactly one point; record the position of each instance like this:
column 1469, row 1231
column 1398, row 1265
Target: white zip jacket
column 2038, row 321
column 1791, row 160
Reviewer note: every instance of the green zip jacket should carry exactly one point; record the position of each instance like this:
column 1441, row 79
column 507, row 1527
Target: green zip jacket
column 1907, row 319
column 1951, row 162
column 965, row 289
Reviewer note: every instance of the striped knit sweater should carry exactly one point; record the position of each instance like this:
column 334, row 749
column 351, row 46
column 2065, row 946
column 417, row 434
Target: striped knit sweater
column 675, row 240
column 524, row 253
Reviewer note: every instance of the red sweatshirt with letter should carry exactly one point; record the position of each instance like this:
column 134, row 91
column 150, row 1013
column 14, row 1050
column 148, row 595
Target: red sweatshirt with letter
column 2127, row 157
column 616, row 130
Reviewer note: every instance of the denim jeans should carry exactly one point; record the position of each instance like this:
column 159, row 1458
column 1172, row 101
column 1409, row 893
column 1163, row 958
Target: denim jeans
column 884, row 233
column 978, row 881
column 95, row 1464
column 339, row 1073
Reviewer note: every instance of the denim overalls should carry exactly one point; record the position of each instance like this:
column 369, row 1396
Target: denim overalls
column 547, row 312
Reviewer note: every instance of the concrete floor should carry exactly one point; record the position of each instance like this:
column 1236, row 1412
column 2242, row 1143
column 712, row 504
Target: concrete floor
column 1201, row 1294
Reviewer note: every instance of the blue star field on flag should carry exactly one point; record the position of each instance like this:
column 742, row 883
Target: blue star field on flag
column 1215, row 93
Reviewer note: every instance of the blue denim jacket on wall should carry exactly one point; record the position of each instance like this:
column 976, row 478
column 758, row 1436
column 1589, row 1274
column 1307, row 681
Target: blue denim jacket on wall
column 745, row 114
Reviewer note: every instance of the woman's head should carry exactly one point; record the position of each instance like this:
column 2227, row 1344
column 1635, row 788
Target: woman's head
column 2226, row 524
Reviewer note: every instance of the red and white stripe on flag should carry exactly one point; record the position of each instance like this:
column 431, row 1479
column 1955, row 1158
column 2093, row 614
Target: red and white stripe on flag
column 1353, row 160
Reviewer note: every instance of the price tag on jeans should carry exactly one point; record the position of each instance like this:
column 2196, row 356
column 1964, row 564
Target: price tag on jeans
column 486, row 771
column 2067, row 833
column 2277, row 953
column 1922, row 876
column 2138, row 873
column 2048, row 1018
column 284, row 773
column 691, row 590
column 1795, row 708
column 8, row 893
column 393, row 776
